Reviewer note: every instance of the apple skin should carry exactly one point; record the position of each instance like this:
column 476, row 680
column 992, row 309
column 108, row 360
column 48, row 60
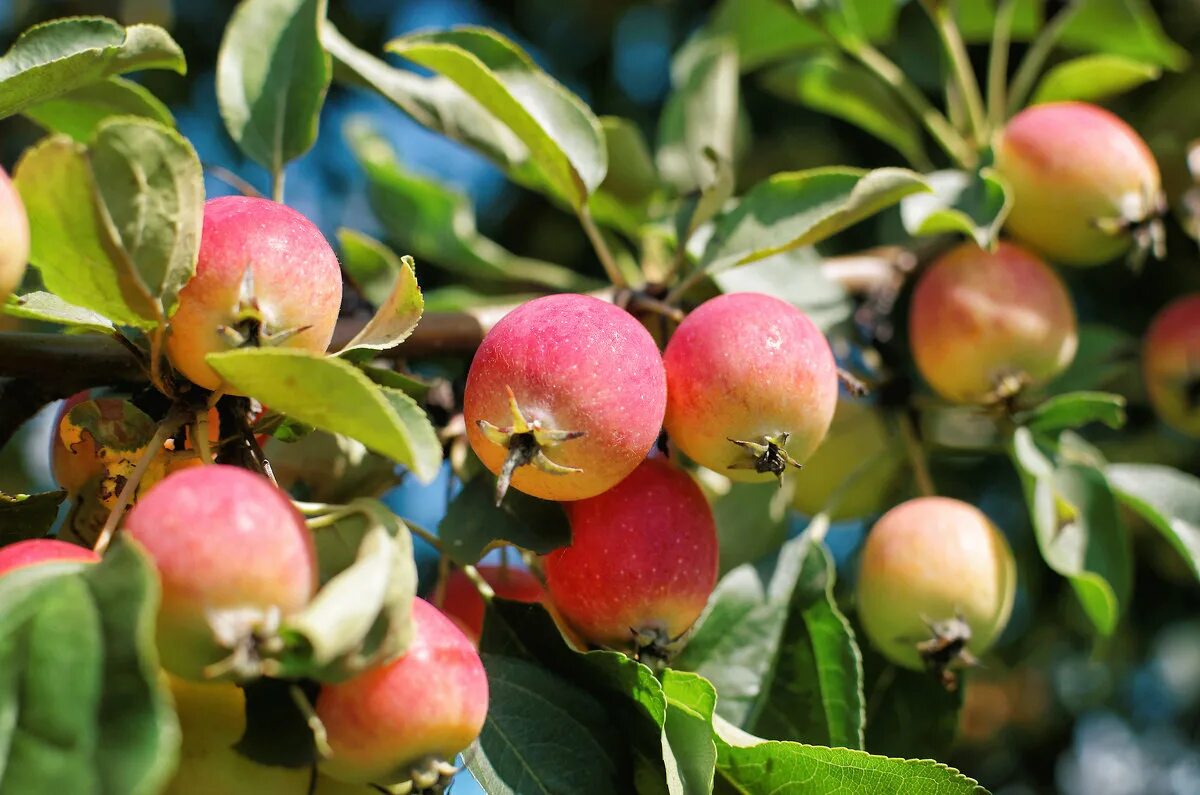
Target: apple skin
column 643, row 558
column 977, row 317
column 429, row 702
column 574, row 363
column 930, row 558
column 1069, row 164
column 859, row 445
column 746, row 366
column 1171, row 364
column 212, row 719
column 463, row 604
column 14, row 234
column 42, row 550
column 297, row 283
column 222, row 539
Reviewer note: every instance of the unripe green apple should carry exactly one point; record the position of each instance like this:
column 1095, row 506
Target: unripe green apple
column 234, row 557
column 1171, row 364
column 936, row 579
column 265, row 275
column 212, row 719
column 42, row 550
column 859, row 462
column 751, row 386
column 411, row 715
column 14, row 237
column 1082, row 181
column 983, row 325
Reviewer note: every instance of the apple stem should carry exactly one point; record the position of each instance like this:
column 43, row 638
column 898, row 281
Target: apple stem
column 916, row 456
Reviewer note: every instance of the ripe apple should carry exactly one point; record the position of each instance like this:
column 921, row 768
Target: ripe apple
column 1171, row 364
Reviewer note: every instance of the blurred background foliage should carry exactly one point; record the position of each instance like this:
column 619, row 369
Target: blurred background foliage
column 1056, row 709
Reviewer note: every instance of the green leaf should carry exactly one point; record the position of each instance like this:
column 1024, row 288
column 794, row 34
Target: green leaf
column 690, row 703
column 1092, row 78
column 832, row 84
column 149, row 180
column 335, row 396
column 1105, row 356
column 24, row 516
column 49, row 308
column 543, row 734
column 751, row 519
column 1122, row 27
column 58, row 57
column 816, row 687
column 74, row 243
column 371, row 266
column 564, row 139
column 974, row 204
column 699, row 120
column 802, row 208
column 797, row 277
column 976, row 19
column 78, row 113
column 396, row 317
column 473, row 524
column 631, row 183
column 272, row 75
column 82, row 706
column 1166, row 498
column 749, row 764
column 362, row 613
column 437, row 224
column 1074, row 410
column 1078, row 529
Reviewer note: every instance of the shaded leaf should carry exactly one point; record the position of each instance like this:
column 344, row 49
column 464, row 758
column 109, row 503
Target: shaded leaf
column 975, row 204
column 1093, row 78
column 631, row 182
column 24, row 516
column 333, row 395
column 690, row 702
column 396, row 317
column 1122, row 27
column 272, row 75
column 797, row 277
column 78, row 113
column 473, row 524
column 1166, row 498
column 699, row 122
column 371, row 266
column 49, row 308
column 57, row 57
column 1074, row 410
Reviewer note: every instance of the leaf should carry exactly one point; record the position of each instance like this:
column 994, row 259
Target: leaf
column 543, row 734
column 149, row 180
column 335, row 396
column 1093, row 78
column 699, row 121
column 690, row 702
column 803, row 208
column 74, row 244
column 957, row 427
column 438, row 224
column 797, row 277
column 750, row 764
column 1122, row 27
column 82, row 705
column 564, row 139
column 1105, row 355
column 371, row 266
column 1166, row 498
column 272, row 75
column 277, row 732
column 79, row 112
column 816, row 688
column 1074, row 410
column 362, row 613
column 976, row 19
column 58, row 57
column 832, row 84
column 49, row 308
column 396, row 317
column 975, row 204
column 473, row 524
column 631, row 182
column 1078, row 529
column 24, row 516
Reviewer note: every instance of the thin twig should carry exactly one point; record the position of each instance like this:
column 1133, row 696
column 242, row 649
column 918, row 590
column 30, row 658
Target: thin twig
column 961, row 69
column 916, row 456
column 481, row 584
column 602, row 251
column 232, row 180
column 1035, row 57
column 164, row 431
column 997, row 81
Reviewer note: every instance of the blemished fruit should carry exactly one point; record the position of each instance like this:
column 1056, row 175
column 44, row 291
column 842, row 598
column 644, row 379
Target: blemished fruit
column 14, row 237
column 936, row 583
column 265, row 275
column 42, row 550
column 751, row 386
column 232, row 554
column 984, row 326
column 858, row 464
column 463, row 604
column 641, row 564
column 1084, row 184
column 565, row 395
column 1171, row 364
column 411, row 716
column 212, row 719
